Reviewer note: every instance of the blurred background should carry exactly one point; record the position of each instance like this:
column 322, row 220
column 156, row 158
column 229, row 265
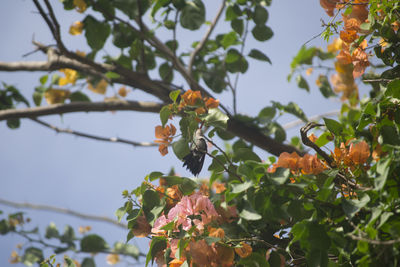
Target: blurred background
column 39, row 166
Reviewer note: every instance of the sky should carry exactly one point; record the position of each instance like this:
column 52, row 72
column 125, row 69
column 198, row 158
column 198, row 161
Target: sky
column 41, row 167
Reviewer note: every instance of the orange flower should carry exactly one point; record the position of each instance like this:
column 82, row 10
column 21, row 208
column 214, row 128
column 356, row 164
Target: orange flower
column 174, row 192
column 244, row 251
column 287, row 160
column 164, row 136
column 360, row 60
column 359, row 152
column 211, row 103
column 123, row 91
column 311, row 164
column 200, row 110
column 348, row 36
column 312, row 137
column 219, row 187
column 329, row 6
column 217, row 232
column 191, row 97
column 175, row 263
column 224, row 256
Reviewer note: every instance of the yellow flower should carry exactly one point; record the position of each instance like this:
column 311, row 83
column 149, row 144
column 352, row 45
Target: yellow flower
column 76, row 28
column 70, row 77
column 123, row 91
column 54, row 96
column 80, row 5
column 309, row 71
column 80, row 53
column 100, row 87
column 335, row 46
column 112, row 259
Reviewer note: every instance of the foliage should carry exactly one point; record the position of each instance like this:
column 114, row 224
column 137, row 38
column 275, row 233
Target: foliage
column 339, row 208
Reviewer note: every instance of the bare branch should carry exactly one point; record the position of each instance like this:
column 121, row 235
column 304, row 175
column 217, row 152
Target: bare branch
column 80, row 107
column 299, row 122
column 95, row 137
column 203, row 41
column 62, row 211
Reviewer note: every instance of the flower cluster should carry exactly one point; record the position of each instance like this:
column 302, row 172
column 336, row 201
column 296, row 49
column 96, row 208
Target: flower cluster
column 352, row 59
column 188, row 223
column 356, row 154
column 194, row 99
column 307, row 164
column 164, row 137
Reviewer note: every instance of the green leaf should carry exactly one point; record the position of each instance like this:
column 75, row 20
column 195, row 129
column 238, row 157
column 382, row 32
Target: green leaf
column 150, row 199
column 165, row 112
column 44, row 79
column 96, row 32
column 211, row 240
column 393, row 89
column 249, row 214
column 215, row 78
column 262, row 33
column 244, row 154
column 325, row 87
column 236, row 62
column 88, row 262
column 93, row 243
column 382, row 169
column 333, row 126
column 180, row 148
column 266, row 115
column 32, row 255
column 229, row 39
column 216, row 118
column 13, row 123
column 4, row 227
column 69, row 262
column 351, row 207
column 238, row 26
column 174, row 95
column 390, row 135
column 113, row 75
column 166, row 73
column 193, row 15
column 260, row 15
column 304, row 56
column 323, row 139
column 257, row 54
column 37, row 98
column 291, row 108
column 239, row 188
column 280, row 176
column 126, row 249
column 78, row 96
column 131, row 8
column 155, row 175
column 68, row 236
column 232, row 55
column 302, row 83
column 157, row 244
column 52, row 231
column 123, row 35
column 120, row 212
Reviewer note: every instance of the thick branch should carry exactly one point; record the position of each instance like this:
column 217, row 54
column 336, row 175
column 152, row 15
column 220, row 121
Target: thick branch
column 259, row 139
column 95, row 137
column 80, row 107
column 203, row 41
column 62, row 211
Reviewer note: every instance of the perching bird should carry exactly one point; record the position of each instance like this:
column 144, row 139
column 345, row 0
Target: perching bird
column 195, row 159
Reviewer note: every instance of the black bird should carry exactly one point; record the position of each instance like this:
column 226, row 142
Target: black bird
column 195, row 159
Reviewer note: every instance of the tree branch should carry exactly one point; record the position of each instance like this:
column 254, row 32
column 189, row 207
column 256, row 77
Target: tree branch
column 80, row 107
column 95, row 137
column 203, row 41
column 375, row 242
column 62, row 211
column 295, row 123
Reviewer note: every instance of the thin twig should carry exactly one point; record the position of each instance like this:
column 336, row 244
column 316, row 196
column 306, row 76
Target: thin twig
column 235, row 85
column 225, row 168
column 295, row 123
column 142, row 48
column 375, row 242
column 62, row 211
column 95, row 137
column 203, row 41
column 80, row 107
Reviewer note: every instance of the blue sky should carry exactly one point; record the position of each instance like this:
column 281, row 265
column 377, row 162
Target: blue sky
column 42, row 167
